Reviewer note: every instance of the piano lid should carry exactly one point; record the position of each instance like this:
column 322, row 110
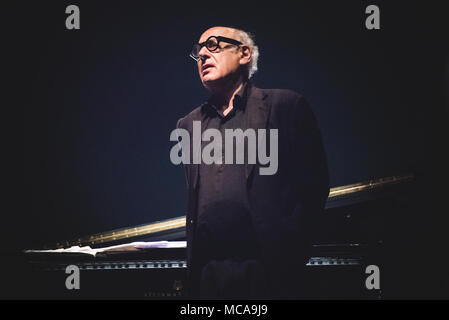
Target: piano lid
column 174, row 229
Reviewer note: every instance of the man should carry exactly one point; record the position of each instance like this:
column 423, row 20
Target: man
column 247, row 232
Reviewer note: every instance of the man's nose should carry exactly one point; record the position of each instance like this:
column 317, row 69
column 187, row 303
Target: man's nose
column 204, row 53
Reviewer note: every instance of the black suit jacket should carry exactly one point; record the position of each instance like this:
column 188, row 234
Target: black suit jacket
column 285, row 206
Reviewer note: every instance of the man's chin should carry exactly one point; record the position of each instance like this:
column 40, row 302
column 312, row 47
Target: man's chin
column 216, row 83
column 210, row 82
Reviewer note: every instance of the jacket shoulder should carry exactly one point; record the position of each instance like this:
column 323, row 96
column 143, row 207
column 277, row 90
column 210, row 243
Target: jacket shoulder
column 284, row 94
column 286, row 100
column 194, row 115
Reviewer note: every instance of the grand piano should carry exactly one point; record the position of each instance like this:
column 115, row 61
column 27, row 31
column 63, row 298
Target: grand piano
column 358, row 233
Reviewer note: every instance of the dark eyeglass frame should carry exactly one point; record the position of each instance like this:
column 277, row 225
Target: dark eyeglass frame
column 197, row 47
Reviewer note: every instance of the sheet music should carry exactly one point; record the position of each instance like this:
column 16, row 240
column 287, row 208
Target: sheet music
column 133, row 246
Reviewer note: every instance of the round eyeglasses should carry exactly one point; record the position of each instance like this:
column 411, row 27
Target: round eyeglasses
column 212, row 44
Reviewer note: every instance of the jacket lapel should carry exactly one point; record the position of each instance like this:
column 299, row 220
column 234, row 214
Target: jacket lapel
column 196, row 167
column 257, row 115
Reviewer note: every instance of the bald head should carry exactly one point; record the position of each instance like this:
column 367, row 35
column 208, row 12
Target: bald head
column 219, row 31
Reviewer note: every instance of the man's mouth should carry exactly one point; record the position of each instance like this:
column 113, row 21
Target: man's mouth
column 206, row 66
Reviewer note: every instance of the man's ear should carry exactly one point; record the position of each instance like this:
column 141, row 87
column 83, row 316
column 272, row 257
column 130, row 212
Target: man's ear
column 246, row 55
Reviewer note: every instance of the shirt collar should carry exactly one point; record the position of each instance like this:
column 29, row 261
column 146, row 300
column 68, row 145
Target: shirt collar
column 241, row 96
column 240, row 99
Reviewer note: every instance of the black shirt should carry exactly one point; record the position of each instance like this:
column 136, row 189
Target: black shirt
column 224, row 228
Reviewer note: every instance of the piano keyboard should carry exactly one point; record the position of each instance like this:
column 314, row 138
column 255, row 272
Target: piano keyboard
column 182, row 264
column 122, row 265
column 326, row 261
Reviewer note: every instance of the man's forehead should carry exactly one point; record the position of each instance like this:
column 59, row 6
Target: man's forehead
column 218, row 31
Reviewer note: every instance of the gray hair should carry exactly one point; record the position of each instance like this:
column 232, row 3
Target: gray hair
column 248, row 39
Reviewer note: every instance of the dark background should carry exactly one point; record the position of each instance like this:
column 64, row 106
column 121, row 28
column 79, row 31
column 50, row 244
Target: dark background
column 97, row 105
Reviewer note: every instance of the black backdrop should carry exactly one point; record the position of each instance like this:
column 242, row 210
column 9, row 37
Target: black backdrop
column 97, row 104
